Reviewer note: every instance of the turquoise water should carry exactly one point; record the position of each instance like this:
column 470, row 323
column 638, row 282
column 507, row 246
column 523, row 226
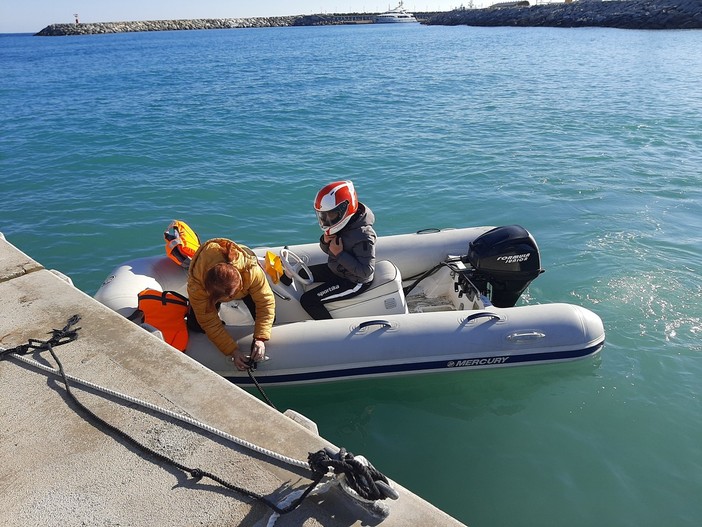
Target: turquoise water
column 590, row 138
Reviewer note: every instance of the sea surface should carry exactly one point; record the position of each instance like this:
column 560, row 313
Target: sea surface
column 589, row 138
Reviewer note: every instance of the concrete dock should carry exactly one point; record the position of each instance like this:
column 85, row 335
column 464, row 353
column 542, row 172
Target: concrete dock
column 59, row 469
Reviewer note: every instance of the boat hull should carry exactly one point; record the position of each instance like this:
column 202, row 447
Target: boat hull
column 393, row 20
column 359, row 348
column 377, row 345
column 396, row 16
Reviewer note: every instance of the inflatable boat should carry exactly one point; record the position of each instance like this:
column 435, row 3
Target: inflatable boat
column 440, row 301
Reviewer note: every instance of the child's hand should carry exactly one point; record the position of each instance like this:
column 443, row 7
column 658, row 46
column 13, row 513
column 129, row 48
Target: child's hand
column 336, row 246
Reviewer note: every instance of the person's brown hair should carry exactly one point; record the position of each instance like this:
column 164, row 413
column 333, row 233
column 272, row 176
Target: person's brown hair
column 221, row 281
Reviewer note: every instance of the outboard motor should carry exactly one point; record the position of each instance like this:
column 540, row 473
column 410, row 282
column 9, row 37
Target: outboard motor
column 504, row 262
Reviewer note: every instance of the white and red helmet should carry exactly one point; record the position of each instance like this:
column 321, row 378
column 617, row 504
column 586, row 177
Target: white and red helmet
column 335, row 204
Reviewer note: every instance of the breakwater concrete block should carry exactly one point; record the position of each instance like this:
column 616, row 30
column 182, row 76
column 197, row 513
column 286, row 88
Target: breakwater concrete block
column 629, row 14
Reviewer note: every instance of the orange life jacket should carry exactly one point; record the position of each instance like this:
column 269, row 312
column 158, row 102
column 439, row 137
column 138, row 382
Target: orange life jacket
column 181, row 243
column 166, row 310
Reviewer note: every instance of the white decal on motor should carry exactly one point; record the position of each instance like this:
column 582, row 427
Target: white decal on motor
column 515, row 258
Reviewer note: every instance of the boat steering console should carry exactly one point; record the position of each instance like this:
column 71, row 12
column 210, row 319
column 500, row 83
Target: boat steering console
column 294, row 266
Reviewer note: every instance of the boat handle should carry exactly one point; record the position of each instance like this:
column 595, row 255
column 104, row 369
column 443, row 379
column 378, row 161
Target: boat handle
column 526, row 336
column 367, row 323
column 481, row 315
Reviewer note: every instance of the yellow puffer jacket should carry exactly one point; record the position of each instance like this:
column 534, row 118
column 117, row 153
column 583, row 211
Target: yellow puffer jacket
column 254, row 283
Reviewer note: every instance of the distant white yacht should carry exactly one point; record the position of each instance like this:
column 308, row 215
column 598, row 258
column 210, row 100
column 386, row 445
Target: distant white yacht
column 394, row 16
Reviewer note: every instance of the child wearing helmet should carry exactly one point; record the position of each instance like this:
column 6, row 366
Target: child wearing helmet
column 348, row 239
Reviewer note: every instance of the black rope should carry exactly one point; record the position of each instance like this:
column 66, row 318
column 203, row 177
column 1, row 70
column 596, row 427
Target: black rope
column 250, row 371
column 368, row 482
column 421, row 277
column 58, row 338
column 66, row 335
column 426, row 274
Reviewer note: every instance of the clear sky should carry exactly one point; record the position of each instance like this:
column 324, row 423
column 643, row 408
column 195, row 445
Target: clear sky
column 31, row 16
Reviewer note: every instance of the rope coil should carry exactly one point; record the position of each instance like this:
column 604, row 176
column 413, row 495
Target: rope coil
column 362, row 477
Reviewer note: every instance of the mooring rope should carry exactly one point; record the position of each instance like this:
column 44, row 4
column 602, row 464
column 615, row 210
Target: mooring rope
column 250, row 371
column 364, row 479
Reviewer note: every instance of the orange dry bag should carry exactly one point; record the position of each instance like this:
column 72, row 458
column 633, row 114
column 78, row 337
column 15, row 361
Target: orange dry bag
column 181, row 243
column 166, row 311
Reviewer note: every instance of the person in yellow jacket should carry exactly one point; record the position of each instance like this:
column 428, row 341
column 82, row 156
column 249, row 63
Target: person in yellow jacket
column 221, row 271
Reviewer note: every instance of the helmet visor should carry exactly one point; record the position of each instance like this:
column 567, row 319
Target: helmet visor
column 329, row 218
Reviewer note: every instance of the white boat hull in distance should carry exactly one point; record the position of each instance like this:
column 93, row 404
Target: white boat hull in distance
column 441, row 301
column 395, row 16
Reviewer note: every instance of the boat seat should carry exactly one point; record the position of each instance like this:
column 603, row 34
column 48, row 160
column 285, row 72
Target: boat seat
column 384, row 297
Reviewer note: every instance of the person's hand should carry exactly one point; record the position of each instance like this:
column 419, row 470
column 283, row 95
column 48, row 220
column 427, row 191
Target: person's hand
column 258, row 350
column 240, row 361
column 336, row 246
column 328, row 238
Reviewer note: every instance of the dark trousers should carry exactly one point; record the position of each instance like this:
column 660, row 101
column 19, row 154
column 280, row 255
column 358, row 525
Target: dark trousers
column 333, row 288
column 194, row 325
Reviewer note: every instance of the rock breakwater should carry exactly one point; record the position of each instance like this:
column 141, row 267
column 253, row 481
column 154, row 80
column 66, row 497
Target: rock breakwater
column 55, row 30
column 628, row 14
